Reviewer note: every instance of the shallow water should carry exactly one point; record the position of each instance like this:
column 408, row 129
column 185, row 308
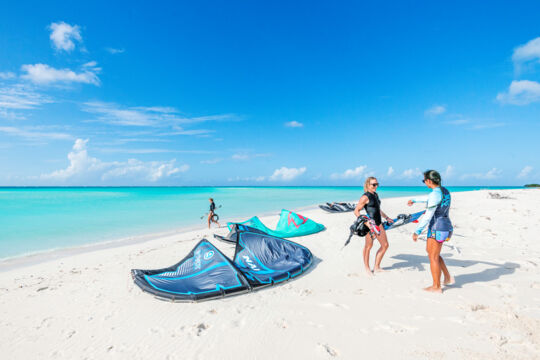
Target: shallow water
column 39, row 219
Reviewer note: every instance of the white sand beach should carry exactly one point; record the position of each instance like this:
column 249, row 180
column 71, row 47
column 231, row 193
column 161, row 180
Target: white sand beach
column 86, row 306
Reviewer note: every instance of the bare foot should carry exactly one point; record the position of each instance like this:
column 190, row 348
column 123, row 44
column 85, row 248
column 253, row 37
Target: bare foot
column 433, row 289
column 379, row 270
column 369, row 272
column 450, row 281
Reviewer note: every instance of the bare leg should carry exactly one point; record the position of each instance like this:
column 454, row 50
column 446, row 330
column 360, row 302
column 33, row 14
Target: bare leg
column 383, row 240
column 448, row 279
column 209, row 219
column 434, row 251
column 367, row 250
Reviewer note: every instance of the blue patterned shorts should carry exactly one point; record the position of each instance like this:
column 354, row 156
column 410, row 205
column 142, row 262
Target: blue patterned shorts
column 440, row 236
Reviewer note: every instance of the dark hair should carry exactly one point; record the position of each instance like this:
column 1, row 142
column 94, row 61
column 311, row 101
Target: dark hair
column 434, row 176
column 212, row 200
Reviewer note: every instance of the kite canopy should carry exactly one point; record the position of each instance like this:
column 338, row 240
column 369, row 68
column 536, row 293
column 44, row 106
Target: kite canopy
column 338, row 207
column 260, row 260
column 290, row 224
column 204, row 274
column 265, row 259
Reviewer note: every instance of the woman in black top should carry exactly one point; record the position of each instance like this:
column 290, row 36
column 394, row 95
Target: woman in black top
column 371, row 203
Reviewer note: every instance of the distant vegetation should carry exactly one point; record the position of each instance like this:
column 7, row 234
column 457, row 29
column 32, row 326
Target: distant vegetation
column 532, row 185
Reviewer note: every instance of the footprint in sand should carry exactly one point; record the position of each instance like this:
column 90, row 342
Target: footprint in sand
column 156, row 330
column 478, row 307
column 306, row 292
column 46, row 322
column 200, row 328
column 328, row 350
column 282, row 324
column 238, row 323
column 395, row 328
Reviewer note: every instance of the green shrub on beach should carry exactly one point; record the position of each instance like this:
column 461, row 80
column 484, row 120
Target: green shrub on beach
column 532, row 185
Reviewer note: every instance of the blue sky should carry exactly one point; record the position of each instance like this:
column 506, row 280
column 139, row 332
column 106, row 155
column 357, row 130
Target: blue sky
column 268, row 93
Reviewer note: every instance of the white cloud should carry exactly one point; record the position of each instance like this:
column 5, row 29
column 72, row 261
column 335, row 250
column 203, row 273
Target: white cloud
column 83, row 167
column 525, row 172
column 117, row 115
column 240, row 157
column 527, row 52
column 199, row 119
column 177, row 130
column 294, row 124
column 355, row 173
column 34, row 133
column 287, row 174
column 435, row 110
column 43, row 74
column 246, row 155
column 448, row 172
column 487, row 126
column 115, row 51
column 155, row 116
column 390, row 171
column 521, row 92
column 211, row 161
column 151, row 171
column 491, row 174
column 411, row 173
column 458, row 122
column 20, row 97
column 7, row 75
column 249, row 178
column 64, row 36
column 148, row 151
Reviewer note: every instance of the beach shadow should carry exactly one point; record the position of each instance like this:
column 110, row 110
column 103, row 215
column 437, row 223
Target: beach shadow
column 422, row 263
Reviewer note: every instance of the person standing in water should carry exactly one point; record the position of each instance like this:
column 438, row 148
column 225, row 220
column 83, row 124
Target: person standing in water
column 371, row 203
column 439, row 229
column 211, row 213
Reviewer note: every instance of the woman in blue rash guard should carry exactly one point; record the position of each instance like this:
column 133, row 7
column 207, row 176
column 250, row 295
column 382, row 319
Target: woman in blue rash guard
column 371, row 203
column 439, row 227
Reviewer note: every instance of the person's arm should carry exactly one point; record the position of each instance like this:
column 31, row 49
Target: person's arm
column 426, row 218
column 420, row 199
column 433, row 201
column 386, row 217
column 361, row 203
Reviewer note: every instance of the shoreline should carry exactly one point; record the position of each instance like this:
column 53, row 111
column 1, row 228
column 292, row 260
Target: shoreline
column 38, row 257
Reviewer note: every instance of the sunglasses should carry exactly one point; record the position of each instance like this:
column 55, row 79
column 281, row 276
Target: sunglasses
column 375, row 184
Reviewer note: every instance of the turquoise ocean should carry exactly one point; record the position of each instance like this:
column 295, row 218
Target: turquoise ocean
column 34, row 219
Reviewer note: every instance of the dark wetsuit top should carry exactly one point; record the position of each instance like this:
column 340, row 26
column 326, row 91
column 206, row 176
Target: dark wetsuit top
column 373, row 207
column 212, row 207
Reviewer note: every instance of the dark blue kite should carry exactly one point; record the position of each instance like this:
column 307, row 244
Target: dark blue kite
column 260, row 260
column 265, row 259
column 204, row 274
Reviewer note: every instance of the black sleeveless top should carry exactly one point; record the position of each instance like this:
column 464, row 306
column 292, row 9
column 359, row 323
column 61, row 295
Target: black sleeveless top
column 373, row 207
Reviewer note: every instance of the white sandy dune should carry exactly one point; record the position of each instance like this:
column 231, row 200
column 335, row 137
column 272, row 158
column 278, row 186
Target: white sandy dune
column 87, row 307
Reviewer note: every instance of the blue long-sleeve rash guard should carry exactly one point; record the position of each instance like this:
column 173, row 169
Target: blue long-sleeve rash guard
column 432, row 201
